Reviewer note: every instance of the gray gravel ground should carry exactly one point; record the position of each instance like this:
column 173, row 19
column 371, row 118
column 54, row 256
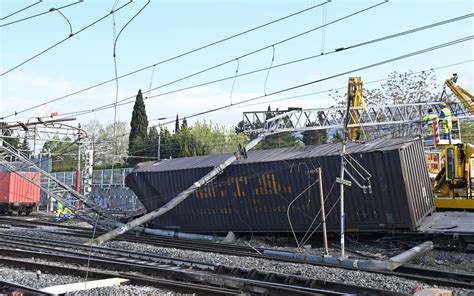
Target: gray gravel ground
column 324, row 273
column 29, row 278
column 359, row 278
column 124, row 290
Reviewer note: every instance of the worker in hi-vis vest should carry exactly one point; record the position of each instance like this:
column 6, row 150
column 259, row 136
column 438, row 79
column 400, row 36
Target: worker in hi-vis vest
column 446, row 121
column 428, row 120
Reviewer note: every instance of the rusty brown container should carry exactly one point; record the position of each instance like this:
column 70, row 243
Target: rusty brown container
column 253, row 195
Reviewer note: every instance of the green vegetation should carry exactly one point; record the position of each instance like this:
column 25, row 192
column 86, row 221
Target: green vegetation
column 138, row 138
column 63, row 153
column 467, row 132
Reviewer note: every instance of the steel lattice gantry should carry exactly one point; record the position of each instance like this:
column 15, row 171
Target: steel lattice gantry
column 16, row 162
column 327, row 118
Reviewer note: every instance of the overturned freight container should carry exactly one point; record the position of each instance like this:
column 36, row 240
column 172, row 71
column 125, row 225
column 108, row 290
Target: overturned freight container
column 253, row 195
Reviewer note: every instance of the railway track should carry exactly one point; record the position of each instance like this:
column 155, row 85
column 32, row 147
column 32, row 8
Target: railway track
column 10, row 288
column 445, row 242
column 140, row 267
column 430, row 276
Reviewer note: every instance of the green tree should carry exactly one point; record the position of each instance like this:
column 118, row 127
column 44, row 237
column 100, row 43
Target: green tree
column 153, row 142
column 166, row 144
column 112, row 142
column 184, row 125
column 25, row 147
column 280, row 140
column 176, row 124
column 467, row 132
column 139, row 130
column 203, row 138
column 14, row 142
column 316, row 137
column 63, row 153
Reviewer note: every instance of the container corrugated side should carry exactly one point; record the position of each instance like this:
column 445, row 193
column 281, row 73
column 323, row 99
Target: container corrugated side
column 255, row 196
column 4, row 187
column 15, row 189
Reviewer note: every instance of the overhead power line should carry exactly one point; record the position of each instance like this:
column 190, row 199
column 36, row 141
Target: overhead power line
column 340, row 49
column 342, row 87
column 40, row 14
column 64, row 40
column 18, row 11
column 169, row 59
column 391, row 60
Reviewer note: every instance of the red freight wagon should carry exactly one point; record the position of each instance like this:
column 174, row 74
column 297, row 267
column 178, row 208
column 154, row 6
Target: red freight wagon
column 18, row 194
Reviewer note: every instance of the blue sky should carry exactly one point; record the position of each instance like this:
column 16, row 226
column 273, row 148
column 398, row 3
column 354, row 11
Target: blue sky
column 167, row 28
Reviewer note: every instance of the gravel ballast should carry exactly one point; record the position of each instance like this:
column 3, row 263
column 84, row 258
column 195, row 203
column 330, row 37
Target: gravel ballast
column 358, row 278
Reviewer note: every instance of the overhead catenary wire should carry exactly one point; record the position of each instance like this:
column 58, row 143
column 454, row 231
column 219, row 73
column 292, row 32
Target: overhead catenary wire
column 313, row 93
column 168, row 59
column 115, row 108
column 337, row 50
column 413, row 73
column 323, row 31
column 325, row 91
column 237, row 58
column 235, row 79
column 62, row 41
column 269, row 68
column 40, row 14
column 69, row 23
column 345, row 87
column 442, row 45
column 20, row 10
column 439, row 67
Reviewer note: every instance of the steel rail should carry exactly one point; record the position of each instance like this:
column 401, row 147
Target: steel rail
column 436, row 277
column 242, row 283
column 19, row 289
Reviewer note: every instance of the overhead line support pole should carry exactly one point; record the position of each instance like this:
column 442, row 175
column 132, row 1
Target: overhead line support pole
column 78, row 167
column 323, row 212
column 350, row 97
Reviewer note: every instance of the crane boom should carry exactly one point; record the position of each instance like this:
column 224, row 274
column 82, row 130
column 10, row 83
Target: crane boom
column 466, row 98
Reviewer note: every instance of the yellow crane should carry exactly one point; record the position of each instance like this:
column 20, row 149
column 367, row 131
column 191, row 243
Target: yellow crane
column 453, row 186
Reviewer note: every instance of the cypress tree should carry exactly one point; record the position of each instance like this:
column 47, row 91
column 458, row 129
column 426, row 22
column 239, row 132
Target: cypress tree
column 176, row 124
column 139, row 129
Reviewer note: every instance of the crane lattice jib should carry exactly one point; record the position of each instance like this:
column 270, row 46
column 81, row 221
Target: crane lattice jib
column 328, row 118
